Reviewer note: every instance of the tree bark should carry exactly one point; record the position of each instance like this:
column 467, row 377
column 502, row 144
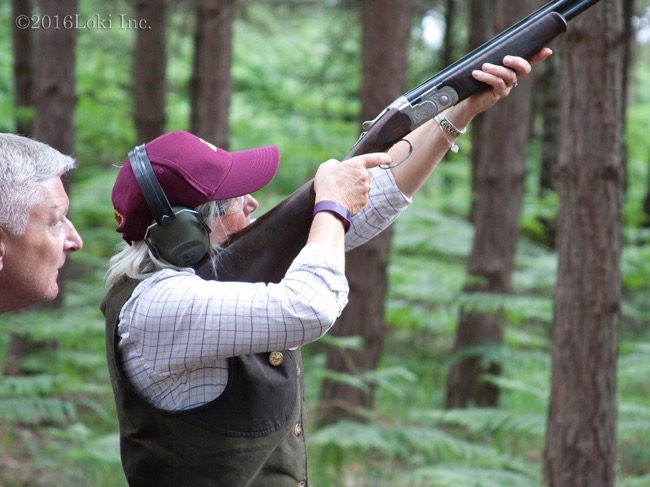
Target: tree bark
column 500, row 175
column 386, row 26
column 55, row 95
column 150, row 64
column 481, row 21
column 55, row 100
column 448, row 44
column 548, row 104
column 23, row 47
column 211, row 83
column 581, row 437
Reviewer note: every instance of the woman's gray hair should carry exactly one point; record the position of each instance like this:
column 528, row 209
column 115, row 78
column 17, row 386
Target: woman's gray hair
column 137, row 261
column 24, row 165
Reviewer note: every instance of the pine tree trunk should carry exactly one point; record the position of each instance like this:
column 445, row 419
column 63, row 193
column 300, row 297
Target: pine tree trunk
column 449, row 45
column 547, row 97
column 481, row 29
column 55, row 100
column 23, row 48
column 55, row 95
column 386, row 28
column 150, row 63
column 500, row 175
column 211, row 83
column 581, row 436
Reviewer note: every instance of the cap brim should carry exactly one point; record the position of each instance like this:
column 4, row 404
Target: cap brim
column 251, row 170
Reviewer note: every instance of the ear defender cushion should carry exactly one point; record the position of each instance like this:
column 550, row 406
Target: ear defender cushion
column 183, row 242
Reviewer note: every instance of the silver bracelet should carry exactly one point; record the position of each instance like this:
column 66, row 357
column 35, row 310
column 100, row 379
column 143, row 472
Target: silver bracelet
column 449, row 128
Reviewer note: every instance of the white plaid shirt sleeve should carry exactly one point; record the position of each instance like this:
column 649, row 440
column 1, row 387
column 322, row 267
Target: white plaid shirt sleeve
column 177, row 330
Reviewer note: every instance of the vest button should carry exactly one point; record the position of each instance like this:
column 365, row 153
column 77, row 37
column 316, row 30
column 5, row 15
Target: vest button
column 276, row 358
column 297, row 430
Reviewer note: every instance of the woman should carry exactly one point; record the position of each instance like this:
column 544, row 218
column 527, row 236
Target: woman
column 207, row 375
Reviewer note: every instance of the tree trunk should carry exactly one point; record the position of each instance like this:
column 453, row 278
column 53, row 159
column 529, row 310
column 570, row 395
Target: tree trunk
column 548, row 104
column 55, row 99
column 386, row 26
column 449, row 45
column 629, row 64
column 500, row 176
column 23, row 42
column 211, row 83
column 581, row 437
column 149, row 68
column 55, row 94
column 481, row 21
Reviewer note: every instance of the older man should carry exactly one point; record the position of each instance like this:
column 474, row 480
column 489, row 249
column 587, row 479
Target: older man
column 35, row 233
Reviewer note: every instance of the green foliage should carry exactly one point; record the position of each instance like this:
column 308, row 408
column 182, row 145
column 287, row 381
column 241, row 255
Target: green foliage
column 294, row 87
column 461, row 476
column 25, row 400
column 426, row 440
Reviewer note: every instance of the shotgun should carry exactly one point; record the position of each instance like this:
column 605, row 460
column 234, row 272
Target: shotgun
column 263, row 251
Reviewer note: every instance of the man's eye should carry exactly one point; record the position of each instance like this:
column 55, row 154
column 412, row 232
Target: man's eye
column 60, row 222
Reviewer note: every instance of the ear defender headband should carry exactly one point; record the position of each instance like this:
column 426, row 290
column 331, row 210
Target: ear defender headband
column 180, row 236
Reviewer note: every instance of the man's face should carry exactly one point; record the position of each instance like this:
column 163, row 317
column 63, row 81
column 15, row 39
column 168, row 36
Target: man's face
column 30, row 263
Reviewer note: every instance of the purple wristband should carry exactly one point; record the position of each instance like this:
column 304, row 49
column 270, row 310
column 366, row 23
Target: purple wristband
column 336, row 209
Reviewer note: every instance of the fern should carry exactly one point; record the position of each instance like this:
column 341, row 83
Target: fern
column 81, row 458
column 464, row 476
column 415, row 448
column 482, row 421
column 643, row 481
column 352, row 436
column 12, row 386
column 36, row 410
column 435, row 445
column 518, row 308
column 30, row 400
column 538, row 391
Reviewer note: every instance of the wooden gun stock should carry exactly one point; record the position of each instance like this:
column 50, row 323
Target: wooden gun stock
column 264, row 250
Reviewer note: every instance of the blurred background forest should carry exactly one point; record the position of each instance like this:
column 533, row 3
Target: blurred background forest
column 296, row 77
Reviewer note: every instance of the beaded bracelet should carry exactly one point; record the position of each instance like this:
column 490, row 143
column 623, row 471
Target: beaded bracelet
column 449, row 128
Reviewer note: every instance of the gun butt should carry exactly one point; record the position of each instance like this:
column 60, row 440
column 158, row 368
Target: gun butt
column 264, row 250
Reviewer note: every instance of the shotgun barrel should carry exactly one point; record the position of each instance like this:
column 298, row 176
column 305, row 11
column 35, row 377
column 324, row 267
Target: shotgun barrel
column 263, row 251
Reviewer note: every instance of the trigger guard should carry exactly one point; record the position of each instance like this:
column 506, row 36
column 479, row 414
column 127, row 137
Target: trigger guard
column 401, row 161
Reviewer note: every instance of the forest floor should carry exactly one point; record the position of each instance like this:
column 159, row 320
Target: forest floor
column 17, row 450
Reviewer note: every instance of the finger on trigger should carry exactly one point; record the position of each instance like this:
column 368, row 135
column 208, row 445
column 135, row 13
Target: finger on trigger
column 376, row 159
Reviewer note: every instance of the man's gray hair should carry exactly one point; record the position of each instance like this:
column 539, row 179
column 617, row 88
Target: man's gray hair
column 24, row 164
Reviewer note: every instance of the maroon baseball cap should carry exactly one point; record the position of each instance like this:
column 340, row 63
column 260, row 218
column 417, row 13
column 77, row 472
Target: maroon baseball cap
column 191, row 172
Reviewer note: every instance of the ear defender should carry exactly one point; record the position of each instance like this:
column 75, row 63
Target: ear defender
column 180, row 236
column 183, row 242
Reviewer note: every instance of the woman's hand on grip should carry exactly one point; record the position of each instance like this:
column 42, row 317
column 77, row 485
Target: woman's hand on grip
column 347, row 182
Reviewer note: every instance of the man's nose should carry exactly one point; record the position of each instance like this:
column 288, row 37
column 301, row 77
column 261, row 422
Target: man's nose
column 74, row 242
